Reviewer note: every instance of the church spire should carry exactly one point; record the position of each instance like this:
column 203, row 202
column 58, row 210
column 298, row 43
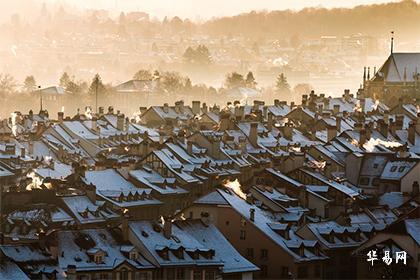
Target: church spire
column 368, row 75
column 392, row 42
column 364, row 74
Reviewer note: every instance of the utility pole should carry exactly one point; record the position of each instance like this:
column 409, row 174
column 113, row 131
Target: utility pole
column 96, row 92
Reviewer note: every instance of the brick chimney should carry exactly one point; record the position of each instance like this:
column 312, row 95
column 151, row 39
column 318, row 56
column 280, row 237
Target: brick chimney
column 331, row 132
column 167, row 228
column 196, row 107
column 204, row 109
column 189, row 147
column 270, row 121
column 60, row 116
column 336, row 109
column 416, row 189
column 120, row 122
column 253, row 133
column 362, row 139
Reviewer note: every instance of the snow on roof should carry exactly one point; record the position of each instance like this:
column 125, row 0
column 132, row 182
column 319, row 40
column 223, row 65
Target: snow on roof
column 86, row 211
column 59, row 171
column 74, row 248
column 163, row 185
column 80, row 130
column 396, row 170
column 182, row 242
column 413, row 229
column 392, row 199
column 25, row 253
column 233, row 262
column 263, row 220
column 9, row 270
column 212, row 198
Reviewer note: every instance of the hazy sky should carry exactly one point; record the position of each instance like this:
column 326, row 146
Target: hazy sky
column 208, row 8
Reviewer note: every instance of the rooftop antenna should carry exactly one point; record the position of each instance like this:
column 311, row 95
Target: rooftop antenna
column 40, row 96
column 392, row 42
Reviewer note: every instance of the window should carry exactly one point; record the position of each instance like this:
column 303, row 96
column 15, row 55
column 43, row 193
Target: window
column 317, row 271
column 124, row 274
column 364, row 181
column 284, row 272
column 250, row 253
column 264, row 254
column 191, row 215
column 180, row 273
column 197, row 275
column 103, row 276
column 401, row 169
column 210, row 275
column 170, row 274
column 98, row 258
column 227, row 223
column 302, row 272
column 375, row 182
column 243, row 234
column 375, row 165
column 264, row 271
column 393, row 169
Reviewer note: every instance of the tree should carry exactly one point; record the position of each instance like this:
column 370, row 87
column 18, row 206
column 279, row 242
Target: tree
column 29, row 84
column 250, row 80
column 234, row 80
column 282, row 86
column 7, row 84
column 198, row 56
column 300, row 89
column 64, row 80
column 96, row 86
column 143, row 75
column 171, row 82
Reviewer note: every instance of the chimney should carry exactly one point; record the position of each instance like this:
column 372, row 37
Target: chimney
column 166, row 108
column 252, row 214
column 120, row 122
column 288, row 131
column 101, row 111
column 331, row 132
column 276, row 102
column 60, row 116
column 167, row 228
column 110, row 110
column 417, row 123
column 253, row 134
column 31, row 147
column 336, row 109
column 204, row 109
column 22, row 152
column 362, row 139
column 94, row 123
column 196, row 107
column 386, row 117
column 363, row 104
column 189, row 147
column 346, row 94
column 412, row 133
column 124, row 228
column 142, row 110
column 270, row 121
column 338, row 123
column 416, row 189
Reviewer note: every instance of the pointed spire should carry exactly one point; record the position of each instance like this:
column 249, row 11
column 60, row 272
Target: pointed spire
column 392, row 42
column 374, row 70
column 405, row 74
column 364, row 73
column 368, row 75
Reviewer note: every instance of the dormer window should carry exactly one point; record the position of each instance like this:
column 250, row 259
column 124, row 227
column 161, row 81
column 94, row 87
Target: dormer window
column 133, row 255
column 98, row 258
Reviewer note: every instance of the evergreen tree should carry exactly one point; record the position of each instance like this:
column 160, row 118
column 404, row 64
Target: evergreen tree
column 64, row 80
column 250, row 80
column 234, row 80
column 282, row 86
column 29, row 84
column 143, row 75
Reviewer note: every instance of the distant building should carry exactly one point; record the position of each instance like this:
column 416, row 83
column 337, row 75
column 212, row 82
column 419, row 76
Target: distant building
column 398, row 77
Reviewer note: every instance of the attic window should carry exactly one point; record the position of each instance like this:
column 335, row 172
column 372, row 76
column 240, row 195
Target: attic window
column 145, row 234
column 98, row 258
column 401, row 169
column 133, row 255
column 375, row 165
column 393, row 169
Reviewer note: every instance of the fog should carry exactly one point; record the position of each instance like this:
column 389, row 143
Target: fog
column 193, row 49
